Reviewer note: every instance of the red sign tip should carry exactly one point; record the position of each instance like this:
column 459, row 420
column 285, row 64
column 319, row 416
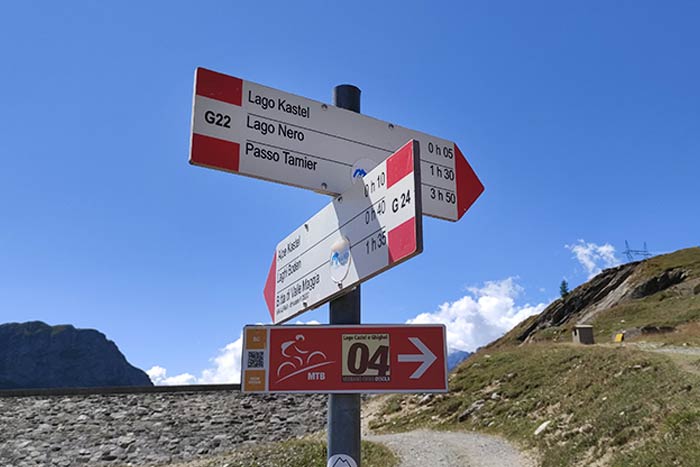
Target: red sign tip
column 269, row 290
column 469, row 187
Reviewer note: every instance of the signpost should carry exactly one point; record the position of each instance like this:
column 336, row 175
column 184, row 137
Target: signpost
column 382, row 185
column 246, row 128
column 344, row 359
column 372, row 227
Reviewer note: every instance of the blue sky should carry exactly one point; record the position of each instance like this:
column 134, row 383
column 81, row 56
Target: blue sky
column 582, row 120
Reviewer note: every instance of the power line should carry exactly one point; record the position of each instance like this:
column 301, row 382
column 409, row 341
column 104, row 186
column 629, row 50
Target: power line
column 631, row 254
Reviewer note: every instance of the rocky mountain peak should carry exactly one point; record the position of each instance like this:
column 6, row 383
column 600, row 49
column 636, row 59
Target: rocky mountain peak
column 36, row 355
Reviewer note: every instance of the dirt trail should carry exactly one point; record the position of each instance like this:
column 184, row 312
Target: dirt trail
column 424, row 448
column 665, row 348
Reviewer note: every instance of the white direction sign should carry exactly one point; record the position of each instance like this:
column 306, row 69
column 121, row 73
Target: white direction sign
column 372, row 227
column 247, row 128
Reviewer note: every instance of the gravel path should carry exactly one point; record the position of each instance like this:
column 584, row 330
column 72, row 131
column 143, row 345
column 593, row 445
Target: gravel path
column 452, row 449
column 664, row 348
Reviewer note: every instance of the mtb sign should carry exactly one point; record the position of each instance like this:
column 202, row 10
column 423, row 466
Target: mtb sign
column 344, row 359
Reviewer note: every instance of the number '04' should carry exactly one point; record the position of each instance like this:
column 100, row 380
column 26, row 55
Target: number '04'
column 359, row 360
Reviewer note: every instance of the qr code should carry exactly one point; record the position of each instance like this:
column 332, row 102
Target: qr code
column 256, row 359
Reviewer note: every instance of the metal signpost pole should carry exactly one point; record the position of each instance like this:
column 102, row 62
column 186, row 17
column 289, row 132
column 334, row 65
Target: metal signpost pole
column 344, row 409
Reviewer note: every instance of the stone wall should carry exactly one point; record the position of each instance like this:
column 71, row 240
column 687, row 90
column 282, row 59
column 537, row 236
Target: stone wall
column 147, row 429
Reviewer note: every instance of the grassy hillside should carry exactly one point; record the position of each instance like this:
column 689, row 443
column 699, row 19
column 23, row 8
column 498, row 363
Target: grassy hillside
column 608, row 404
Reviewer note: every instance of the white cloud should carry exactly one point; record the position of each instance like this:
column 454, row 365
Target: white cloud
column 227, row 365
column 159, row 376
column 594, row 258
column 485, row 314
column 156, row 373
column 226, row 368
column 180, row 380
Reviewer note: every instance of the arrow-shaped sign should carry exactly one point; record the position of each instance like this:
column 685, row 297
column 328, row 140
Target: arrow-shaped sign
column 372, row 227
column 426, row 357
column 246, row 128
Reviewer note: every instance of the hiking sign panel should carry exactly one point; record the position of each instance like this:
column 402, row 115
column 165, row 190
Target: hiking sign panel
column 372, row 227
column 246, row 128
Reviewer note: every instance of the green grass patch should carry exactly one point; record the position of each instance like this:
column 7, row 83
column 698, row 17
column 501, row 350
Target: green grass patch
column 688, row 258
column 656, row 310
column 297, row 453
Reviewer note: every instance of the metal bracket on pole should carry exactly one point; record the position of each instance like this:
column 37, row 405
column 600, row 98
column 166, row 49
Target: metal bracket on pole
column 344, row 409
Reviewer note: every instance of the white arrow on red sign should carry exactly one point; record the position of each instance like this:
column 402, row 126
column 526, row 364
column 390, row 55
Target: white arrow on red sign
column 425, row 357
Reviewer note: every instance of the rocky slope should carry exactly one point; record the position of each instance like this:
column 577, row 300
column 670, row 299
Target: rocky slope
column 36, row 355
column 633, row 289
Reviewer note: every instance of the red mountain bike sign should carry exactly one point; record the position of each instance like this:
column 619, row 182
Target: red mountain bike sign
column 344, row 359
